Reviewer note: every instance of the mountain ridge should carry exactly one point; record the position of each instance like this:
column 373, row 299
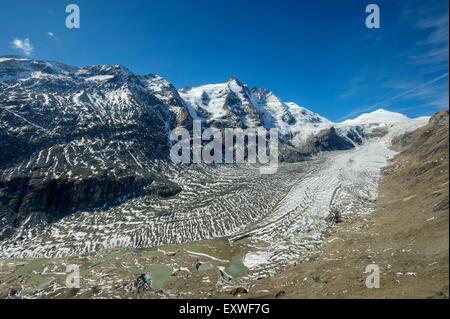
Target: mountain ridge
column 104, row 132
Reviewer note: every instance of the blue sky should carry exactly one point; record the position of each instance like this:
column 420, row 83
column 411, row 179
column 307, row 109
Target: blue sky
column 318, row 54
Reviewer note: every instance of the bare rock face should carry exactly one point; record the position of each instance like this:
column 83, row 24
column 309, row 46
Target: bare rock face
column 327, row 140
column 50, row 200
column 432, row 138
column 440, row 118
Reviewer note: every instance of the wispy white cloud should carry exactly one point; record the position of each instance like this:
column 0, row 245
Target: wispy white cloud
column 51, row 35
column 439, row 29
column 355, row 86
column 431, row 18
column 421, row 91
column 23, row 45
column 420, row 78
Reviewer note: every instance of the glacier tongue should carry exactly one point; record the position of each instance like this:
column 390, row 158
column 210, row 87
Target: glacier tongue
column 346, row 183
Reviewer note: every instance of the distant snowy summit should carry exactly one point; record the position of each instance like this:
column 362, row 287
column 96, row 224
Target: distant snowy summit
column 379, row 116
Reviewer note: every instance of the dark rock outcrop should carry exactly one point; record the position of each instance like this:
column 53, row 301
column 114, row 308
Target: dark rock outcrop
column 440, row 118
column 143, row 283
column 53, row 199
column 326, row 140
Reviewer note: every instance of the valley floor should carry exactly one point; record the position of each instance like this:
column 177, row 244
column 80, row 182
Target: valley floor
column 290, row 253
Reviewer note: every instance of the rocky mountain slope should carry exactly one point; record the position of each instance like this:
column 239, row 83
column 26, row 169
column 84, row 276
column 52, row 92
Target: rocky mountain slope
column 79, row 138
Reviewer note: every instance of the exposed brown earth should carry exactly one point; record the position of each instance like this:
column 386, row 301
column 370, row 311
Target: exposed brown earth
column 408, row 237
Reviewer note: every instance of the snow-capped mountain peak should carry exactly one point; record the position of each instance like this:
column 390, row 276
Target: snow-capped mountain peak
column 224, row 104
column 380, row 116
column 235, row 104
column 234, row 82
